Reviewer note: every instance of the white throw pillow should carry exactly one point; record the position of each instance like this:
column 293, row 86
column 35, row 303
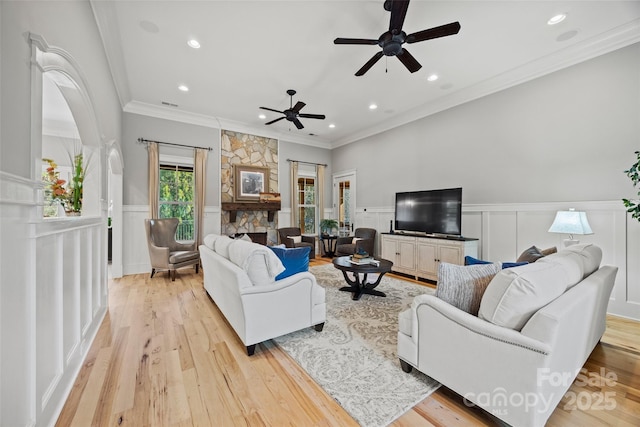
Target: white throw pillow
column 296, row 239
column 355, row 240
column 210, row 241
column 515, row 294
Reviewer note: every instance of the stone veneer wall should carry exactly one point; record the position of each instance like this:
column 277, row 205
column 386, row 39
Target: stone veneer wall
column 249, row 150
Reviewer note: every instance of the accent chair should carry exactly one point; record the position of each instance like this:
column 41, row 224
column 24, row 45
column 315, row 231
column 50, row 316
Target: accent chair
column 164, row 252
column 363, row 238
column 292, row 237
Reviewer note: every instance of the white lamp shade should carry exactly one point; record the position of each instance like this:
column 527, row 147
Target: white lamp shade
column 571, row 222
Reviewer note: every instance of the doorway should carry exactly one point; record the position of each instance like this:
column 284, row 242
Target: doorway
column 344, row 201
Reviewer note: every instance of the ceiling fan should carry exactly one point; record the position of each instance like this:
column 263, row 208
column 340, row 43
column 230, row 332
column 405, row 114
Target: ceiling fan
column 293, row 112
column 391, row 41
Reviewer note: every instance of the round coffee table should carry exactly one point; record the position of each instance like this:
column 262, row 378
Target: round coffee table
column 358, row 286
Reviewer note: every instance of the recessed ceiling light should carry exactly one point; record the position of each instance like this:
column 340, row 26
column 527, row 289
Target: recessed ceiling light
column 332, row 125
column 262, row 116
column 557, row 19
column 432, row 77
column 183, row 88
column 194, row 44
column 373, row 107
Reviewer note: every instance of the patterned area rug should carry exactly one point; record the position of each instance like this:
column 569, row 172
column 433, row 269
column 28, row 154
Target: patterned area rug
column 354, row 358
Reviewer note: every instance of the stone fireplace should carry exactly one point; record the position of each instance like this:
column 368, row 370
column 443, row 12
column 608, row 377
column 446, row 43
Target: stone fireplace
column 249, row 150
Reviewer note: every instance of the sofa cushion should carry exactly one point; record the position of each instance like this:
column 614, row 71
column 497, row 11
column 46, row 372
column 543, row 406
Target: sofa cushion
column 222, row 246
column 590, row 254
column 258, row 261
column 515, row 294
column 463, row 286
column 295, row 260
column 210, row 241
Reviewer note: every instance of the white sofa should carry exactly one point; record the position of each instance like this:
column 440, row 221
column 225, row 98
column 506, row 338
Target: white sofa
column 239, row 276
column 519, row 356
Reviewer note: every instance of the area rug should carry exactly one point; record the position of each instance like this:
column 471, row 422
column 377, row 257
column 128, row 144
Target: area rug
column 354, row 359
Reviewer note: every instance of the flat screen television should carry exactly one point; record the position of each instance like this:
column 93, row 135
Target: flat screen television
column 430, row 212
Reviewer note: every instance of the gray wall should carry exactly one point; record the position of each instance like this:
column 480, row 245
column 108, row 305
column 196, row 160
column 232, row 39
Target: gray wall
column 136, row 170
column 294, row 151
column 70, row 26
column 564, row 137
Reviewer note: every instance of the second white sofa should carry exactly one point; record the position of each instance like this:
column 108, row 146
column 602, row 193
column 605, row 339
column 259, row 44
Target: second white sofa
column 240, row 278
column 536, row 327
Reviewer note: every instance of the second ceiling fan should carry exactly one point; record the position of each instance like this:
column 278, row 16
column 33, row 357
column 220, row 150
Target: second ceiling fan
column 293, row 112
column 392, row 40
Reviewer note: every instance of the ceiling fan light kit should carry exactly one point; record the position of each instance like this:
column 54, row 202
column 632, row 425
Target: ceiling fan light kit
column 392, row 40
column 293, row 112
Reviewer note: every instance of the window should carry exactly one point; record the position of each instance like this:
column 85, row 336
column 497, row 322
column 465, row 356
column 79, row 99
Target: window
column 307, row 204
column 176, row 197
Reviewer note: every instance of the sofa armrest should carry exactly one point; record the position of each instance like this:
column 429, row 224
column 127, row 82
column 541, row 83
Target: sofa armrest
column 309, row 239
column 474, row 324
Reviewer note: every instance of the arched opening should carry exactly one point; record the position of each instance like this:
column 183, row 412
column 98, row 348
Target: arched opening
column 65, row 99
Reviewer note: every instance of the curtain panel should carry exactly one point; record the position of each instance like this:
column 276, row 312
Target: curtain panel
column 154, row 178
column 200, row 181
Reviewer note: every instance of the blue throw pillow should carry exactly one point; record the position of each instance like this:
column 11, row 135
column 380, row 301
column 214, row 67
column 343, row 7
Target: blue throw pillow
column 469, row 260
column 512, row 264
column 295, row 260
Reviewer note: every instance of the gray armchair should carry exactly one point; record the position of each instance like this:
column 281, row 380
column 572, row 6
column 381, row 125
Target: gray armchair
column 164, row 252
column 285, row 235
column 366, row 240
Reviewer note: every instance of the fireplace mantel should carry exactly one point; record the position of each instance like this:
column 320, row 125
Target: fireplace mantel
column 234, row 207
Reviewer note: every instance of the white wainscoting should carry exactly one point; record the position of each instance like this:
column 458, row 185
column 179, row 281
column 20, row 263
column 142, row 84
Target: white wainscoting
column 135, row 254
column 506, row 230
column 53, row 297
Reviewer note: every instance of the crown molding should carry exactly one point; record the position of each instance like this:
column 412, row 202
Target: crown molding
column 614, row 39
column 168, row 113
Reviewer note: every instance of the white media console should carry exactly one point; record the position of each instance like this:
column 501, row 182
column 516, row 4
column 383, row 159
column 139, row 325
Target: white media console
column 419, row 256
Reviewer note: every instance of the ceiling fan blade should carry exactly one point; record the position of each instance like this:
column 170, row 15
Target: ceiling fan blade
column 296, row 108
column 398, row 13
column 271, row 109
column 341, row 40
column 312, row 116
column 273, row 121
column 408, row 60
column 298, row 124
column 434, row 33
column 369, row 63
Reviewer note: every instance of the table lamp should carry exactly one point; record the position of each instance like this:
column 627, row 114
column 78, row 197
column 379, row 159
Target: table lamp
column 571, row 222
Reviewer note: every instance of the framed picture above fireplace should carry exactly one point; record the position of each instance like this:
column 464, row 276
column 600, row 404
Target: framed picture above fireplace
column 249, row 182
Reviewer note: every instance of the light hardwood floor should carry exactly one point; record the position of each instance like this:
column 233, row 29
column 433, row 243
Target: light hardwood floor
column 165, row 356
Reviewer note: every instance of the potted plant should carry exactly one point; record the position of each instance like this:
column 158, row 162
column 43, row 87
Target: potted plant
column 327, row 225
column 633, row 206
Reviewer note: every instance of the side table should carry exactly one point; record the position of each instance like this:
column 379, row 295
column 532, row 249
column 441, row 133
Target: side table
column 328, row 245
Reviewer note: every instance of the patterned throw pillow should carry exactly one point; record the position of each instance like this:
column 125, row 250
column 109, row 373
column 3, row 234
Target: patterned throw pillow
column 463, row 286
